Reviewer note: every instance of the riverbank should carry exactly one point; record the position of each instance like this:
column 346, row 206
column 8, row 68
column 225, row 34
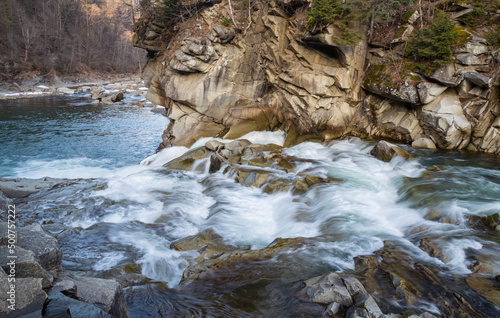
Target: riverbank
column 39, row 86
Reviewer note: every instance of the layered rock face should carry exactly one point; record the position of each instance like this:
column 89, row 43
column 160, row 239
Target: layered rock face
column 275, row 75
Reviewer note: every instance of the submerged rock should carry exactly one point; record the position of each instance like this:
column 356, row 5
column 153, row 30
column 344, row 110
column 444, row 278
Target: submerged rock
column 385, row 151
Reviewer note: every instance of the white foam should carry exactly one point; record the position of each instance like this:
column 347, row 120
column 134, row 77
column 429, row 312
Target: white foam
column 164, row 156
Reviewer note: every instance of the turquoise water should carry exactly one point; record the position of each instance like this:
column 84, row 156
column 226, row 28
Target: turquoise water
column 69, row 137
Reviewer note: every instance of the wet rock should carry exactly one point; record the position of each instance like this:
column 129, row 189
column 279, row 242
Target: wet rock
column 385, row 151
column 112, row 98
column 65, row 91
column 401, row 277
column 45, row 247
column 186, row 161
column 327, row 289
column 26, row 265
column 20, row 187
column 486, row 286
column 62, row 306
column 220, row 264
column 105, row 294
column 29, row 297
column 208, row 243
column 476, row 78
column 493, row 221
column 126, row 274
column 425, row 143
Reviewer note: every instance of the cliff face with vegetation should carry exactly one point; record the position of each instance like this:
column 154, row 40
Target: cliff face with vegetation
column 420, row 73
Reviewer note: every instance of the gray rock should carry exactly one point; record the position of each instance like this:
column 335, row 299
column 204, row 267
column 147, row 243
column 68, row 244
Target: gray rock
column 333, row 309
column 385, row 151
column 112, row 98
column 477, row 79
column 425, row 143
column 63, row 306
column 468, row 59
column 354, row 286
column 327, row 289
column 458, row 14
column 446, row 76
column 20, row 187
column 472, row 48
column 405, row 94
column 29, row 297
column 355, row 312
column 26, row 265
column 45, row 247
column 5, row 203
column 105, row 294
column 369, row 304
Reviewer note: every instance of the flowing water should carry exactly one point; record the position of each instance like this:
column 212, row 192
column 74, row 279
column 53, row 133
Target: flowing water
column 114, row 210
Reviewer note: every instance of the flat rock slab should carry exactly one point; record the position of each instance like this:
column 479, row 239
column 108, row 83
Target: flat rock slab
column 105, row 294
column 21, row 187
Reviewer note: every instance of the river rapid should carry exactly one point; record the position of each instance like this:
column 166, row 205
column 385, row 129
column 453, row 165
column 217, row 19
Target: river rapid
column 119, row 205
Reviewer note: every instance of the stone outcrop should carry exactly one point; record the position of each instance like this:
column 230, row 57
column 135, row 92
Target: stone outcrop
column 275, row 75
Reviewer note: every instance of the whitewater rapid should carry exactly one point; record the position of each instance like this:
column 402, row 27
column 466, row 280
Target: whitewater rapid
column 133, row 213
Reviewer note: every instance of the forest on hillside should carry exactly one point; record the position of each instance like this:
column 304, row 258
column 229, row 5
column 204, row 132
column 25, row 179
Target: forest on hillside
column 67, row 37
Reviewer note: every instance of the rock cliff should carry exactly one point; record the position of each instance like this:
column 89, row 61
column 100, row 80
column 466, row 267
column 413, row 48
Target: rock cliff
column 270, row 73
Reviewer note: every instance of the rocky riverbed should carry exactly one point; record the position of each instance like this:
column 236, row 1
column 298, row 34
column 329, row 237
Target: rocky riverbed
column 400, row 278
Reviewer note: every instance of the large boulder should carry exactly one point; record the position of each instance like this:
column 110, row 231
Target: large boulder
column 385, row 151
column 106, row 294
column 44, row 246
column 477, row 78
column 22, row 298
column 26, row 265
column 62, row 306
column 444, row 120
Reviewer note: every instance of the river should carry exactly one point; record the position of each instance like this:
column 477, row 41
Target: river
column 113, row 210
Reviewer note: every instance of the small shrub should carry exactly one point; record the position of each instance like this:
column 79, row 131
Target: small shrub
column 324, row 11
column 493, row 38
column 433, row 44
column 225, row 21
